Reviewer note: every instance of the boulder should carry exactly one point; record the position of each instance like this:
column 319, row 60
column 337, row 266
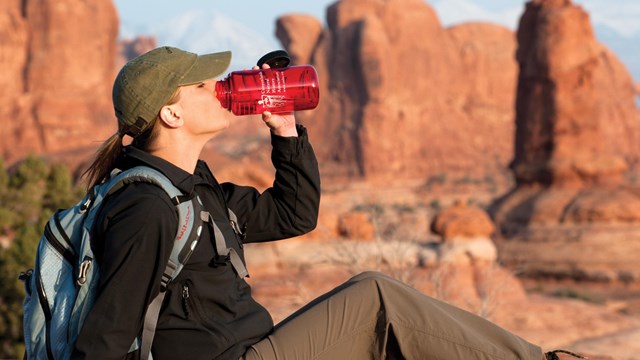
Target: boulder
column 462, row 221
column 357, row 225
column 466, row 232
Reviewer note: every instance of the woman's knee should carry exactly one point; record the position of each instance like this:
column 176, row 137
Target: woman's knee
column 371, row 275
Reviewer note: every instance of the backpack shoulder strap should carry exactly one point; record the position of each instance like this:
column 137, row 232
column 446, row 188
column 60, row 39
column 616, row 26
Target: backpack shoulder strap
column 190, row 220
column 189, row 210
column 225, row 252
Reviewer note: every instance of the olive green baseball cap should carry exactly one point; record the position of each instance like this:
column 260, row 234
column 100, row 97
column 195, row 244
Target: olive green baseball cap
column 145, row 84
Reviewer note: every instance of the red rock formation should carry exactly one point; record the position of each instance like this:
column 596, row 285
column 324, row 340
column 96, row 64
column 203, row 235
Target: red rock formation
column 461, row 220
column 14, row 100
column 577, row 123
column 57, row 63
column 131, row 48
column 466, row 234
column 572, row 213
column 357, row 225
column 404, row 97
column 299, row 35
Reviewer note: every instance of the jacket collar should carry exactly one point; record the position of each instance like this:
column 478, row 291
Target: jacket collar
column 183, row 180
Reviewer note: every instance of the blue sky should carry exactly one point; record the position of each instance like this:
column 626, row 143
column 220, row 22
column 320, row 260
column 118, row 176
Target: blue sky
column 620, row 14
column 259, row 15
column 616, row 21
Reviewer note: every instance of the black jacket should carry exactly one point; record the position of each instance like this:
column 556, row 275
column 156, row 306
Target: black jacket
column 208, row 312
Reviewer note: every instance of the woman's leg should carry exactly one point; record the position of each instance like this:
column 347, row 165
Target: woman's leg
column 373, row 316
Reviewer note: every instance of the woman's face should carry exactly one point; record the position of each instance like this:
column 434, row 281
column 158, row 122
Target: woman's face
column 201, row 110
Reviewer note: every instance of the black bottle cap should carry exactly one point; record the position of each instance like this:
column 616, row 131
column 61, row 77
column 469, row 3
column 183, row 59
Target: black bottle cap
column 275, row 59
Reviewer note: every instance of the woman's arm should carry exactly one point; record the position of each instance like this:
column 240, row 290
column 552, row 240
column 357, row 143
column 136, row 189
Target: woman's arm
column 290, row 207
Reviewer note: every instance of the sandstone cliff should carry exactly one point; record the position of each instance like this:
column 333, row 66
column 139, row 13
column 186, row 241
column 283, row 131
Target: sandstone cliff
column 57, row 61
column 404, row 97
column 576, row 120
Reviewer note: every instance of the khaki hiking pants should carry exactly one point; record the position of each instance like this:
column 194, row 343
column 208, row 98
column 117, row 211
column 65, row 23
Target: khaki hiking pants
column 372, row 316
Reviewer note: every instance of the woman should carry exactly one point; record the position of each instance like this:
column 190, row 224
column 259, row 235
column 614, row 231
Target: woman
column 165, row 100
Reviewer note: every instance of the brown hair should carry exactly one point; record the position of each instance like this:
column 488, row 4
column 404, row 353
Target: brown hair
column 106, row 156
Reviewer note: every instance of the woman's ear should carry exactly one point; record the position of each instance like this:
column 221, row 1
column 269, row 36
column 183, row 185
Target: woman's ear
column 171, row 116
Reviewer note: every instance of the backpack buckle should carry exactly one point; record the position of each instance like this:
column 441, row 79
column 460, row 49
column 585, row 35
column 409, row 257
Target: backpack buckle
column 219, row 260
column 84, row 268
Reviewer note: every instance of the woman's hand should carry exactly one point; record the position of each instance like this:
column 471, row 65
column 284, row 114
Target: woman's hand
column 280, row 124
column 283, row 124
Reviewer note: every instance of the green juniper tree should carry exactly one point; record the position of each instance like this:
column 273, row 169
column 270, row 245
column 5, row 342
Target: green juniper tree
column 28, row 197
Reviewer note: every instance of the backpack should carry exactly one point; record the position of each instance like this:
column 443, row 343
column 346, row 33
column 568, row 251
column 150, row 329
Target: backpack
column 61, row 289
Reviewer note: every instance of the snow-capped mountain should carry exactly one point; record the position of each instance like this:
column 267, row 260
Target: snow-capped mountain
column 205, row 32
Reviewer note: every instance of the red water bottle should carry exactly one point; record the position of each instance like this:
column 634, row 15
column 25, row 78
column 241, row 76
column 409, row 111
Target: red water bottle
column 277, row 90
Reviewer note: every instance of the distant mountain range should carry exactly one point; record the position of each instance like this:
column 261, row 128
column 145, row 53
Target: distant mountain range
column 204, row 32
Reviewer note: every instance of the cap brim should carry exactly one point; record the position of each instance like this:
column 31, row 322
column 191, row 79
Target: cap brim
column 207, row 67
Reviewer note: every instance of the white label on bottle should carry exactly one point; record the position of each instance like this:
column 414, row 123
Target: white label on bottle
column 267, row 82
column 275, row 84
column 272, row 101
column 262, row 82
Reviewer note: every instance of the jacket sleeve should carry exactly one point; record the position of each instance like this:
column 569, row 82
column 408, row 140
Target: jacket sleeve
column 290, row 207
column 135, row 232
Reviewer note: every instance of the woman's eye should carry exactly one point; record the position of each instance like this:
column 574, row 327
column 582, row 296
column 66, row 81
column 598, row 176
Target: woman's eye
column 201, row 85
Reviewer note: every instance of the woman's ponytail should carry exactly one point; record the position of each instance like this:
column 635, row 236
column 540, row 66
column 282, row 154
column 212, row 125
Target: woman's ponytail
column 104, row 161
